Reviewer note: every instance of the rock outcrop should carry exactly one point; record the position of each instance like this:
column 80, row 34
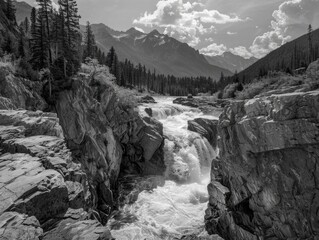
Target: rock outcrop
column 205, row 105
column 147, row 99
column 41, row 184
column 313, row 70
column 265, row 183
column 17, row 92
column 206, row 128
column 108, row 138
column 58, row 172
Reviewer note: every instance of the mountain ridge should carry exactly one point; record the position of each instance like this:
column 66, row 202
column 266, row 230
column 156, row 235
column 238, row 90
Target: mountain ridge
column 156, row 51
column 231, row 61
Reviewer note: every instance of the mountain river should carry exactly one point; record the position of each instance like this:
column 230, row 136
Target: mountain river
column 176, row 209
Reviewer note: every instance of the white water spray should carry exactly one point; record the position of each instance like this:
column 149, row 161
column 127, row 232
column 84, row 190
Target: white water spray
column 176, row 209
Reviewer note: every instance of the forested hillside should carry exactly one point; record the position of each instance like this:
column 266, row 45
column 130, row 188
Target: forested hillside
column 289, row 57
column 49, row 46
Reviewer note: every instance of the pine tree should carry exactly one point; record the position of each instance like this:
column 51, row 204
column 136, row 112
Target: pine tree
column 70, row 11
column 70, row 35
column 21, row 50
column 26, row 25
column 310, row 53
column 33, row 19
column 45, row 15
column 89, row 43
column 10, row 11
column 109, row 57
column 39, row 44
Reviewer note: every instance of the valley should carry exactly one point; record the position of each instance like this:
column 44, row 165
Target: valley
column 136, row 134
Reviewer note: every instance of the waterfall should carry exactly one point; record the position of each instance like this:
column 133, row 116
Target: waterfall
column 177, row 208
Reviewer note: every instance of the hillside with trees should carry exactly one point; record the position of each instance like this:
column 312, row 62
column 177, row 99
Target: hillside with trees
column 138, row 76
column 157, row 51
column 288, row 58
column 49, row 46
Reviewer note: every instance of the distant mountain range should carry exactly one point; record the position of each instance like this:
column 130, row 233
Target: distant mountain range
column 231, row 61
column 292, row 55
column 156, row 51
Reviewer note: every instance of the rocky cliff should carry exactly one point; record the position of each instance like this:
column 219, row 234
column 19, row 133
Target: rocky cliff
column 108, row 138
column 41, row 184
column 265, row 183
column 58, row 171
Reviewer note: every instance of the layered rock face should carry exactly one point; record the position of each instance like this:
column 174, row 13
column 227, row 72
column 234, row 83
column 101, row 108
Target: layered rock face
column 265, row 184
column 108, row 138
column 206, row 128
column 17, row 92
column 41, row 185
column 58, row 171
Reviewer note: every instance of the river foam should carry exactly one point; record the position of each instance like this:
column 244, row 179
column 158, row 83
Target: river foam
column 176, row 209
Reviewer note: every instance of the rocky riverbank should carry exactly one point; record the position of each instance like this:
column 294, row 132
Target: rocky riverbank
column 205, row 104
column 58, row 172
column 265, row 183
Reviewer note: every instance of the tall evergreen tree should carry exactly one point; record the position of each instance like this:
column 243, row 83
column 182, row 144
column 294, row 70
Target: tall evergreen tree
column 39, row 44
column 110, row 57
column 33, row 19
column 70, row 11
column 90, row 47
column 10, row 11
column 45, row 15
column 310, row 51
column 26, row 24
column 21, row 50
column 70, row 35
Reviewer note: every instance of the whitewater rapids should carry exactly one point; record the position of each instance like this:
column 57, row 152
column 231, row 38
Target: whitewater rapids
column 177, row 209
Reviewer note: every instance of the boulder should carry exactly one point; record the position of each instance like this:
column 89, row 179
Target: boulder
column 313, row 70
column 179, row 170
column 130, row 186
column 204, row 104
column 149, row 111
column 147, row 99
column 189, row 102
column 20, row 92
column 5, row 103
column 34, row 123
column 269, row 161
column 26, row 187
column 84, row 230
column 39, row 179
column 19, row 226
column 206, row 128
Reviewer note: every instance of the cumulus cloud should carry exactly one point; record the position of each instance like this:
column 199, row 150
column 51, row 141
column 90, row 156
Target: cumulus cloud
column 183, row 20
column 241, row 51
column 214, row 16
column 290, row 20
column 209, row 39
column 214, row 49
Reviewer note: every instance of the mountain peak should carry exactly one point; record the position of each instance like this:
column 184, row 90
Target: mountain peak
column 133, row 30
column 154, row 32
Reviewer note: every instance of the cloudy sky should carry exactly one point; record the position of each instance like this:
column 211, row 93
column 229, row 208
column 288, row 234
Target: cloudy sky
column 244, row 27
